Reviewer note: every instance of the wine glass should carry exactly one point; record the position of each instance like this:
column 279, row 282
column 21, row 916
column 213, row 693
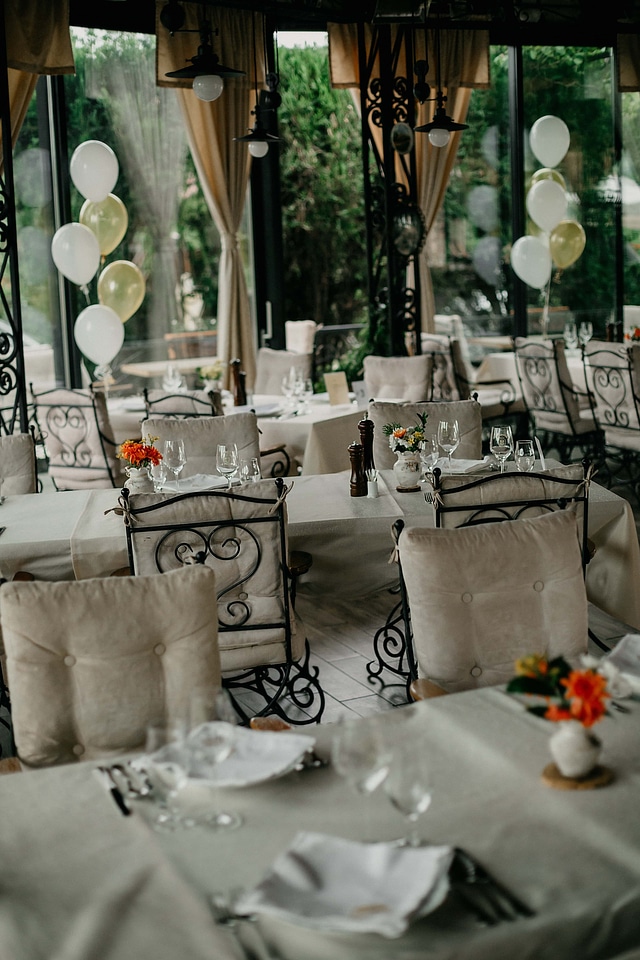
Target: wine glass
column 307, row 393
column 585, row 332
column 448, row 437
column 360, row 755
column 428, row 455
column 174, row 457
column 172, row 379
column 524, row 455
column 227, row 461
column 250, row 470
column 158, row 474
column 409, row 786
column 501, row 443
column 570, row 335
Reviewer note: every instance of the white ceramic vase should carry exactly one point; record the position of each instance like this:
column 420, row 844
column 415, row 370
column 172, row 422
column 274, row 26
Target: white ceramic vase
column 406, row 470
column 138, row 480
column 574, row 749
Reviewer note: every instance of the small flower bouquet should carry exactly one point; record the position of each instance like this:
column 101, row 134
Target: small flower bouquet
column 569, row 694
column 634, row 334
column 211, row 372
column 406, row 439
column 139, row 454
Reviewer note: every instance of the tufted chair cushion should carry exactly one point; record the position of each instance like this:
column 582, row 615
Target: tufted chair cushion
column 468, row 413
column 91, row 663
column 202, row 435
column 398, row 378
column 17, row 464
column 482, row 596
column 188, row 403
column 273, row 365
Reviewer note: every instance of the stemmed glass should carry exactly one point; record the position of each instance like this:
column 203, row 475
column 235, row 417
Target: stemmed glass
column 174, row 457
column 428, row 455
column 448, row 437
column 501, row 443
column 227, row 461
column 250, row 470
column 360, row 754
column 409, row 786
column 525, row 455
column 158, row 474
column 585, row 332
column 570, row 335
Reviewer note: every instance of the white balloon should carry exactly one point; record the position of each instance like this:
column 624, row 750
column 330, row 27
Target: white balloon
column 486, row 260
column 549, row 139
column 547, row 204
column 99, row 333
column 94, row 169
column 482, row 204
column 76, row 252
column 531, row 261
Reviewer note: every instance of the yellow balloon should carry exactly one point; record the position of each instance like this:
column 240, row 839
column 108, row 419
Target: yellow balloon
column 548, row 173
column 121, row 286
column 566, row 243
column 108, row 219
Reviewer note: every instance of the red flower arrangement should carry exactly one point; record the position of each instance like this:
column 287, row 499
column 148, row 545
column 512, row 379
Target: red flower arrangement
column 570, row 694
column 139, row 454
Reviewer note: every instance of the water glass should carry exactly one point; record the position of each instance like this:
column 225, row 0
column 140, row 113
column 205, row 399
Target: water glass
column 585, row 332
column 449, row 437
column 409, row 786
column 525, row 455
column 570, row 335
column 429, row 455
column 174, row 457
column 227, row 461
column 360, row 754
column 501, row 443
column 158, row 474
column 250, row 470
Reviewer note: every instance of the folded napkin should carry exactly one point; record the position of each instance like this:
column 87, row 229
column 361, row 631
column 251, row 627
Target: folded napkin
column 199, row 481
column 328, row 883
column 464, row 466
column 625, row 658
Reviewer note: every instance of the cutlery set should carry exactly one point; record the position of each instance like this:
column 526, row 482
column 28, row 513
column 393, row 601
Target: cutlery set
column 487, row 899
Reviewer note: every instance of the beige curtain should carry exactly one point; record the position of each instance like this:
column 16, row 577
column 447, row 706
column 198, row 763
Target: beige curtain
column 223, row 165
column 38, row 42
column 464, row 65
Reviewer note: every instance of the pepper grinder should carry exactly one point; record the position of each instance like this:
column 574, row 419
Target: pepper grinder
column 238, row 387
column 365, row 428
column 358, row 481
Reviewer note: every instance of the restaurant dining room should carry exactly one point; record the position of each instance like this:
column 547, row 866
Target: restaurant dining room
column 319, row 480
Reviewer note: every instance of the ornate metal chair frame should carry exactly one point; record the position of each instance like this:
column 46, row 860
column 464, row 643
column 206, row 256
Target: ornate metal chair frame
column 611, row 378
column 163, row 405
column 80, row 414
column 546, row 393
column 215, row 540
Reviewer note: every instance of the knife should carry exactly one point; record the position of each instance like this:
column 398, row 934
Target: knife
column 107, row 781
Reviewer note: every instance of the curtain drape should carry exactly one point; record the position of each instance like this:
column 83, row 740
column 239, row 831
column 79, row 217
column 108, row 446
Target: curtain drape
column 38, row 42
column 223, row 165
column 464, row 65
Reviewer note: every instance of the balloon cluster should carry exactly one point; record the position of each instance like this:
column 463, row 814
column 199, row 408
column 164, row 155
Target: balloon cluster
column 78, row 250
column 561, row 240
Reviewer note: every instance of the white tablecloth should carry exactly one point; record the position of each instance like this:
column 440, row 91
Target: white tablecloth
column 69, row 856
column 62, row 535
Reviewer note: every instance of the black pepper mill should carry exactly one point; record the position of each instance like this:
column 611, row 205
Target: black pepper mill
column 358, row 482
column 238, row 387
column 365, row 428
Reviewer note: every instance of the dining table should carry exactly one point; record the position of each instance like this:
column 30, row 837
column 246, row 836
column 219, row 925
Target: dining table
column 78, row 534
column 80, row 880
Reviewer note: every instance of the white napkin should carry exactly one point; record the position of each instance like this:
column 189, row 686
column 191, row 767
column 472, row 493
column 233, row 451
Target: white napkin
column 199, row 481
column 462, row 466
column 328, row 883
column 625, row 658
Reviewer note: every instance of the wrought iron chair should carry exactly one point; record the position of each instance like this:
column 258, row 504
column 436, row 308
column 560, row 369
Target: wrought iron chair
column 561, row 414
column 74, row 427
column 613, row 378
column 18, row 472
column 243, row 537
column 189, row 403
column 478, row 597
column 79, row 688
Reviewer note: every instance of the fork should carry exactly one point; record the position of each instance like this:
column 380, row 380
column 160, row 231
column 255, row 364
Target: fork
column 502, row 902
column 241, row 925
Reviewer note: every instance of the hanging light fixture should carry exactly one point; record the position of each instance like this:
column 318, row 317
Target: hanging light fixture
column 258, row 138
column 205, row 69
column 442, row 126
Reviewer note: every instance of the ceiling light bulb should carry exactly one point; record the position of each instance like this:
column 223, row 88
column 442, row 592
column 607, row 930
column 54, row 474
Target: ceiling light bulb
column 439, row 137
column 208, row 86
column 258, row 148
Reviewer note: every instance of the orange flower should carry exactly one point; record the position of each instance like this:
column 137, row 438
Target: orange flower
column 139, row 454
column 554, row 712
column 400, row 432
column 586, row 692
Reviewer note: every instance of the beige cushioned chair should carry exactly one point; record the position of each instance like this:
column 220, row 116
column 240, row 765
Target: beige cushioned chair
column 273, row 365
column 468, row 413
column 17, row 464
column 398, row 378
column 91, row 663
column 202, row 435
column 481, row 597
column 188, row 403
column 613, row 377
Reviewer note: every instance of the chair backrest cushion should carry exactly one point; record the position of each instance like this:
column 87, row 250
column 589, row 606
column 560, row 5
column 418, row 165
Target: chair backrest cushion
column 398, row 378
column 202, row 435
column 483, row 596
column 189, row 403
column 468, row 413
column 91, row 663
column 299, row 335
column 273, row 365
column 78, row 439
column 247, row 557
column 17, row 464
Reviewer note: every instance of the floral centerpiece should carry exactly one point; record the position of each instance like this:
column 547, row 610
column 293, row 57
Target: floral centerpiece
column 576, row 696
column 212, row 372
column 634, row 334
column 406, row 439
column 139, row 454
